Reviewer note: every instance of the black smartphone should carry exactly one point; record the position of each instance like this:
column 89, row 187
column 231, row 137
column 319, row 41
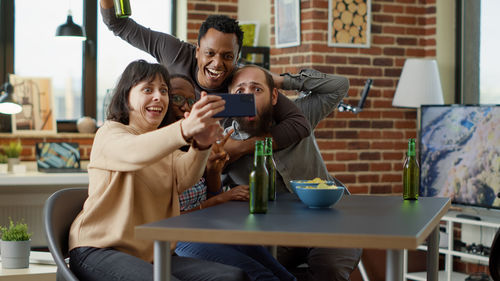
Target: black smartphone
column 237, row 105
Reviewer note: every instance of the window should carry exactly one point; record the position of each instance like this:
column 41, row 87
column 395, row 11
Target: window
column 39, row 53
column 489, row 91
column 477, row 59
column 70, row 65
column 110, row 63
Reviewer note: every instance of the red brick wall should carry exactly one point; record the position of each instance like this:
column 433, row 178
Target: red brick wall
column 198, row 10
column 365, row 151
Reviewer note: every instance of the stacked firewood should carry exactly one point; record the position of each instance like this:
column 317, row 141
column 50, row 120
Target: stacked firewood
column 349, row 21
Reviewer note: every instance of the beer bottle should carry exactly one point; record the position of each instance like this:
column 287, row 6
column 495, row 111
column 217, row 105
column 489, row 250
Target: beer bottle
column 411, row 173
column 259, row 181
column 271, row 168
column 122, row 8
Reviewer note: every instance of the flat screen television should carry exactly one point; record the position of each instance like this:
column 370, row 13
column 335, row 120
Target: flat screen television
column 460, row 153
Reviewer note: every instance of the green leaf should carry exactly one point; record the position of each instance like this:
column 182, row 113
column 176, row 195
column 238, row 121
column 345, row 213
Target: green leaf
column 13, row 150
column 15, row 232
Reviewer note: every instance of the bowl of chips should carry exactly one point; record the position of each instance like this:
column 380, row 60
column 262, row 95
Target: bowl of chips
column 318, row 194
column 314, row 182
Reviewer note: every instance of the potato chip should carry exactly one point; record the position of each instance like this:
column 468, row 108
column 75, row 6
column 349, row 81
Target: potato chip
column 315, row 180
column 319, row 186
column 326, row 186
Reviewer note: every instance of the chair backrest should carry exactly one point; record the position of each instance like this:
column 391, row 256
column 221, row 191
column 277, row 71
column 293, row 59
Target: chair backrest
column 58, row 214
column 495, row 257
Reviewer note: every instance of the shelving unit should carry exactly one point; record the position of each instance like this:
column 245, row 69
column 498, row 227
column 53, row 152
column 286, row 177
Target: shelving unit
column 449, row 252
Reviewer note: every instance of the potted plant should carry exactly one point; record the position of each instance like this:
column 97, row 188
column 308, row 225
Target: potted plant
column 15, row 245
column 3, row 164
column 13, row 150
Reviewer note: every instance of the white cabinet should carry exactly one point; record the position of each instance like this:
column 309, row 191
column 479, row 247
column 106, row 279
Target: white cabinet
column 488, row 223
column 22, row 196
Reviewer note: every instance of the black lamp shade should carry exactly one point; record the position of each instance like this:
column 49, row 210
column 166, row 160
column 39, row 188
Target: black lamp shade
column 7, row 88
column 7, row 103
column 70, row 29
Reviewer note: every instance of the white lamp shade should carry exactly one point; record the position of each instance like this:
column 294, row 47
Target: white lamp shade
column 419, row 84
column 10, row 108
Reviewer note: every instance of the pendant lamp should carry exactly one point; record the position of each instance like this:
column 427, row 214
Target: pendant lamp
column 70, row 29
column 7, row 103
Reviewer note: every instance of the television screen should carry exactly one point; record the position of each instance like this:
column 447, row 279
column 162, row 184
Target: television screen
column 460, row 153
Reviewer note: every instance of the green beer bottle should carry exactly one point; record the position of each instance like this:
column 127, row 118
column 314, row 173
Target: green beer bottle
column 271, row 168
column 122, row 8
column 259, row 181
column 411, row 173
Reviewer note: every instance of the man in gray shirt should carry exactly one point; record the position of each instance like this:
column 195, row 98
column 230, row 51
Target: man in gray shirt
column 302, row 160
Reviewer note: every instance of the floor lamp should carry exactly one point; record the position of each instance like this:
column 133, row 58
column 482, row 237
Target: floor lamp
column 419, row 84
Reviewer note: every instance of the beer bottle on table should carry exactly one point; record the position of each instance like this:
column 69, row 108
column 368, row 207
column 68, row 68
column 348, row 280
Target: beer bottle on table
column 122, row 8
column 411, row 173
column 259, row 181
column 271, row 168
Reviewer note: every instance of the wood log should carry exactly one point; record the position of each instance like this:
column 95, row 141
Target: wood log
column 358, row 20
column 346, row 18
column 362, row 9
column 353, row 7
column 338, row 25
column 359, row 40
column 340, row 7
column 354, row 31
column 336, row 14
column 343, row 36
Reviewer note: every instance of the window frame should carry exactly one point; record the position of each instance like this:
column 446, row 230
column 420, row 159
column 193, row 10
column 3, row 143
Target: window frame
column 89, row 71
column 468, row 52
column 468, row 15
column 89, row 57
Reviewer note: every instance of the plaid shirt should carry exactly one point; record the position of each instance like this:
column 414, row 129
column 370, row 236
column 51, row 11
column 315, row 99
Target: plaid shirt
column 193, row 196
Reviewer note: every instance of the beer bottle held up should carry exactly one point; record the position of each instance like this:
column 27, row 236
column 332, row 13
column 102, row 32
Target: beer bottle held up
column 411, row 173
column 122, row 8
column 271, row 168
column 259, row 181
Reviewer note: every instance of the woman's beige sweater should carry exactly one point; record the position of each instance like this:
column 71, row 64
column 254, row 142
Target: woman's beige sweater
column 134, row 178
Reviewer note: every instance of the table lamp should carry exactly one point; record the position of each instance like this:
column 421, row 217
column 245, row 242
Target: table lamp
column 419, row 84
column 7, row 103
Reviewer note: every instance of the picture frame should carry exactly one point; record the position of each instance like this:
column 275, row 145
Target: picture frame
column 250, row 38
column 349, row 23
column 287, row 23
column 250, row 32
column 35, row 96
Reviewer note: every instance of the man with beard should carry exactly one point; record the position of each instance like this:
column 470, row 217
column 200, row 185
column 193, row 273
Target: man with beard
column 321, row 95
column 210, row 64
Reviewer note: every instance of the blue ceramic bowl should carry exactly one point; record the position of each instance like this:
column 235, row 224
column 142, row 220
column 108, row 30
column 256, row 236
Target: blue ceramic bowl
column 298, row 183
column 320, row 198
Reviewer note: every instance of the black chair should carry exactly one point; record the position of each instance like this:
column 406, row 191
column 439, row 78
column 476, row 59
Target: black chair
column 58, row 214
column 495, row 257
